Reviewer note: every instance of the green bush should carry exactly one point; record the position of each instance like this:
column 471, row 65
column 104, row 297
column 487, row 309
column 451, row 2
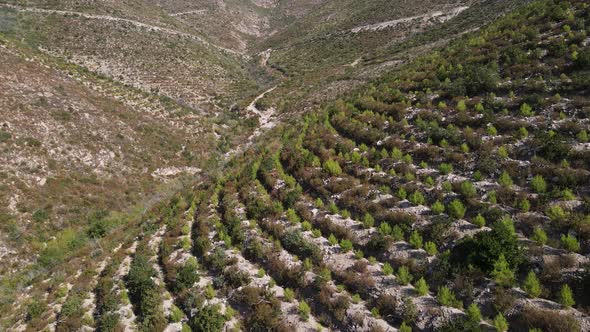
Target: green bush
column 445, row 168
column 368, row 220
column 468, row 189
column 556, row 213
column 404, row 276
column 346, row 245
column 289, row 295
column 437, row 207
column 479, row 221
column 500, row 323
column 566, row 297
column 387, row 269
column 35, row 309
column 532, row 285
column 456, row 209
column 208, row 318
column 421, row 287
column 570, row 243
column 538, row 184
column 505, row 180
column 502, row 273
column 415, row 240
column 332, row 167
column 447, row 298
column 304, row 310
column 430, row 248
column 417, row 198
column 539, row 236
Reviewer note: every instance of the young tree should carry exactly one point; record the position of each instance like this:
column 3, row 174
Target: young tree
column 405, row 328
column 304, row 310
column 500, row 323
column 346, row 245
column 387, row 269
column 539, row 236
column 430, row 248
column 479, row 221
column 404, row 276
column 447, row 298
column 538, row 184
column 468, row 189
column 332, row 167
column 570, row 243
column 505, row 180
column 415, row 240
column 437, row 207
column 473, row 313
column 531, row 285
column 502, row 273
column 457, row 209
column 368, row 221
column 566, row 297
column 421, row 287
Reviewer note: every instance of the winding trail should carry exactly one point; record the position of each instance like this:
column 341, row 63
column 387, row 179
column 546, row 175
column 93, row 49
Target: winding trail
column 137, row 24
column 439, row 15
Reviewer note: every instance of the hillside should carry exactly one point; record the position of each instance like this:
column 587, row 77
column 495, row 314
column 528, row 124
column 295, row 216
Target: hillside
column 294, row 166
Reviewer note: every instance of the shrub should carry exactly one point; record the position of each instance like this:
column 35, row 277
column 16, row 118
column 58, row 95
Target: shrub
column 531, row 285
column 539, row 236
column 430, row 248
column 505, row 180
column 332, row 240
column 447, row 186
column 473, row 313
column 445, row 168
column 437, row 207
column 556, row 213
column 468, row 190
column 346, row 245
column 208, row 318
column 34, row 310
column 415, row 240
column 456, row 209
column 385, row 229
column 570, row 243
column 402, row 194
column 387, row 269
column 417, row 198
column 404, row 276
column 502, row 274
column 304, row 310
column 526, row 110
column 187, row 275
column 332, row 167
column 289, row 295
column 461, row 107
column 524, row 205
column 447, row 298
column 500, row 323
column 583, row 136
column 405, row 328
column 538, row 184
column 479, row 221
column 368, row 220
column 421, row 287
column 176, row 314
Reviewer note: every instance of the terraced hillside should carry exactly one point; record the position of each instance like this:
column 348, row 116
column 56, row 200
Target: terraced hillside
column 450, row 194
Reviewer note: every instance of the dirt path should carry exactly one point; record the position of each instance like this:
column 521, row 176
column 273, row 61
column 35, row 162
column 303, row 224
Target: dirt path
column 264, row 123
column 439, row 15
column 138, row 24
column 190, row 12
